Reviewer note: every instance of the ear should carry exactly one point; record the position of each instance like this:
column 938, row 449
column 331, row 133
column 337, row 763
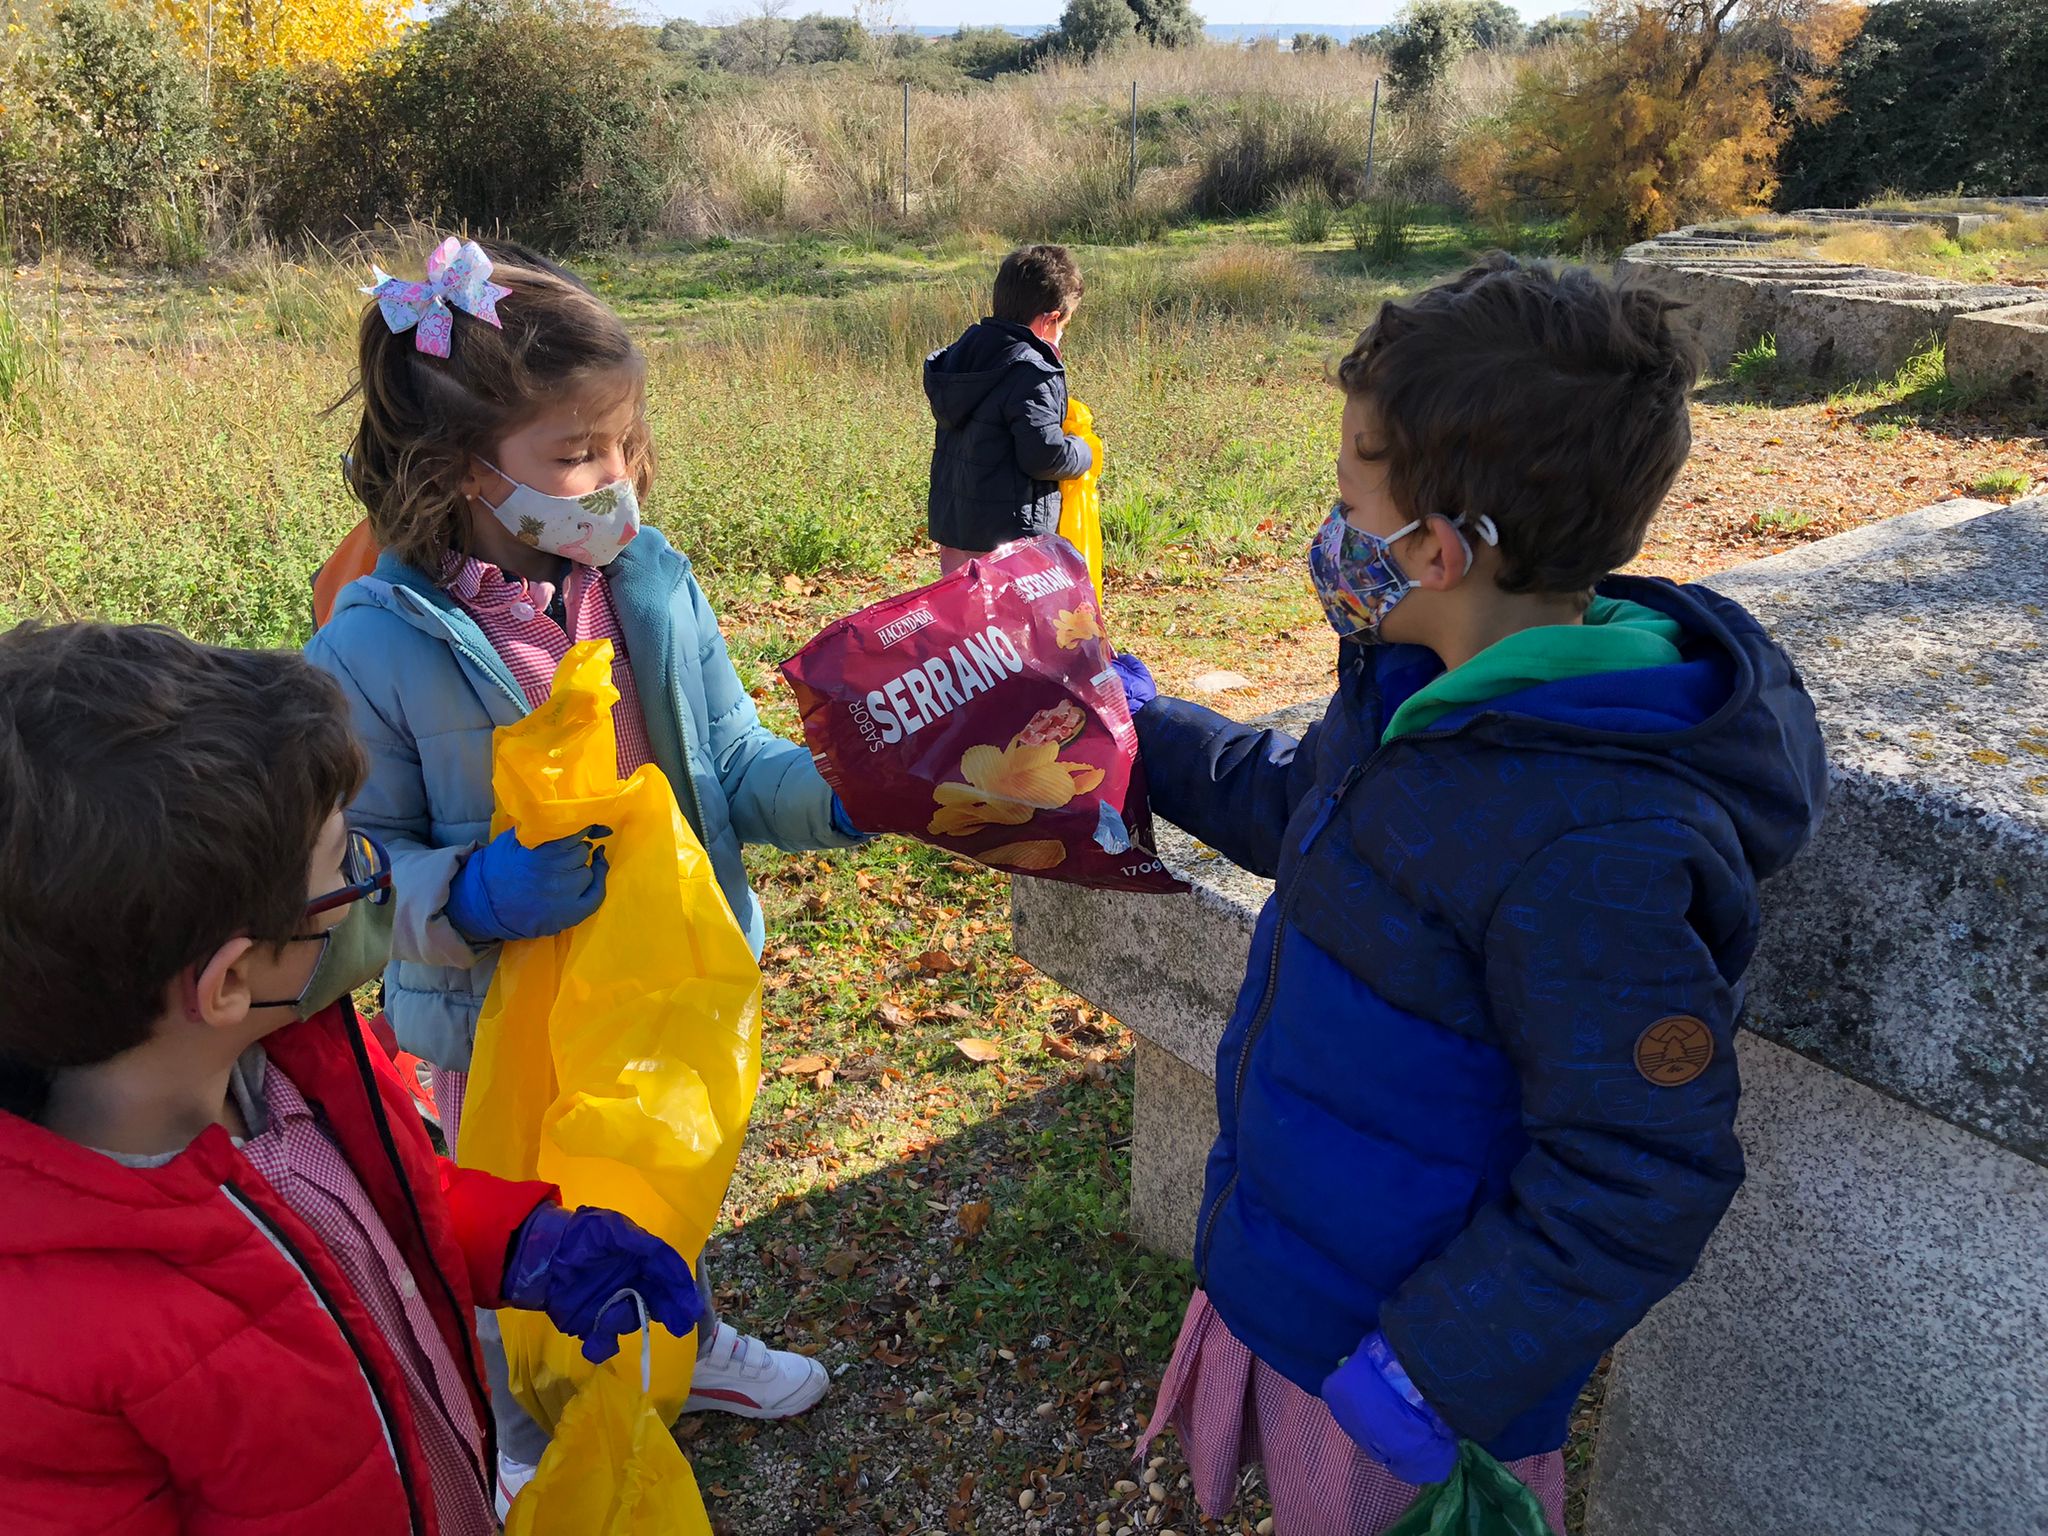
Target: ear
column 219, row 994
column 1435, row 558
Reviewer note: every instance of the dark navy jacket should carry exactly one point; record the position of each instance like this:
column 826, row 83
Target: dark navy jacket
column 1433, row 1121
column 999, row 396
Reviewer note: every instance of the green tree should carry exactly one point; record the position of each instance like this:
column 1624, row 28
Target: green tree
column 1427, row 41
column 1091, row 27
column 1556, row 29
column 1313, row 42
column 1167, row 23
column 1494, row 24
column 1932, row 96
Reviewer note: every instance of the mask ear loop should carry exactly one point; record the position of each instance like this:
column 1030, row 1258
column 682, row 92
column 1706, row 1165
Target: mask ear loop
column 1488, row 534
column 646, row 1333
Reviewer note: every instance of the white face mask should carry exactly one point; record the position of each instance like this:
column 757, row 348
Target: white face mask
column 589, row 529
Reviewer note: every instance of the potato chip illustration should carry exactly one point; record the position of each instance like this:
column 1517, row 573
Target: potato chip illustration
column 1075, row 625
column 1039, row 854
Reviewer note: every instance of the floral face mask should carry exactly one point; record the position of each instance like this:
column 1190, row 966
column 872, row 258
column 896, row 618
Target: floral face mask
column 589, row 529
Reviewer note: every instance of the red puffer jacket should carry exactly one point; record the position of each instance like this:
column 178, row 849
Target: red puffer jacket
column 178, row 1352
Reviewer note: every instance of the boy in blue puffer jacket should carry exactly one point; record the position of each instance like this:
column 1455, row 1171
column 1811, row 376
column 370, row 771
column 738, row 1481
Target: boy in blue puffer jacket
column 1477, row 1099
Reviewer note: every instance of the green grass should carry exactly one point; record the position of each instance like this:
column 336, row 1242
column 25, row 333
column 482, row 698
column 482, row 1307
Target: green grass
column 1779, row 522
column 2002, row 482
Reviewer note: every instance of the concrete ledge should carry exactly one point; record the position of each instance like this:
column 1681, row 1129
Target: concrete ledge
column 2001, row 347
column 1909, row 948
column 1830, row 319
column 1860, row 1351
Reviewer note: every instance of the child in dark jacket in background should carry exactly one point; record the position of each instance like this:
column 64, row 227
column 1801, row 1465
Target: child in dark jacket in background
column 1477, row 1100
column 999, row 395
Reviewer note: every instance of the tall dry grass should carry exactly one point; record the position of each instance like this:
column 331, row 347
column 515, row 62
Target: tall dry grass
column 1046, row 153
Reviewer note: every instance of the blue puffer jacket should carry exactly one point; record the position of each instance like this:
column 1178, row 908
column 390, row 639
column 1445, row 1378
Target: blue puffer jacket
column 999, row 397
column 426, row 690
column 1433, row 1120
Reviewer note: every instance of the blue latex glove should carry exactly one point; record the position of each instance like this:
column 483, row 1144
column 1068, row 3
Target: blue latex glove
column 1139, row 689
column 1376, row 1404
column 572, row 1264
column 506, row 890
column 843, row 823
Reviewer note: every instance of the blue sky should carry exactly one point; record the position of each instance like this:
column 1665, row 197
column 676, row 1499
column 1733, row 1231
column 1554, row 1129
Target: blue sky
column 946, row 13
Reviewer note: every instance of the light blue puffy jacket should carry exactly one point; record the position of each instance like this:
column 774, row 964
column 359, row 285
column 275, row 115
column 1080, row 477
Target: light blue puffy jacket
column 426, row 690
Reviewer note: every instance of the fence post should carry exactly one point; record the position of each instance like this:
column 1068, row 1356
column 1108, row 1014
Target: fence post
column 1372, row 132
column 906, row 147
column 1134, row 138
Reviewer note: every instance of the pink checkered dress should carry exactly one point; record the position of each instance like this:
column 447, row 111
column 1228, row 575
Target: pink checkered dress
column 1229, row 1409
column 298, row 1160
column 513, row 614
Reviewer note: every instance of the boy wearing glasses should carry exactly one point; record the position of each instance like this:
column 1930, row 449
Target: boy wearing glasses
column 235, row 1280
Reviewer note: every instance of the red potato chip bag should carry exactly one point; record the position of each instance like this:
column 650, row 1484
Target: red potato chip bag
column 980, row 715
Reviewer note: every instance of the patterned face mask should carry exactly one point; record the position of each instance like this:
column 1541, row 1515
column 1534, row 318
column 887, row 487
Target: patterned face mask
column 589, row 529
column 1357, row 577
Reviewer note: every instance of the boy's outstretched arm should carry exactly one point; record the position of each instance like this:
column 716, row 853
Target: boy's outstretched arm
column 1233, row 786
column 1601, row 971
column 1038, row 427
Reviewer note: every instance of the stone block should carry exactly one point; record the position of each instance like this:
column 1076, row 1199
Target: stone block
column 1908, row 947
column 1173, row 1123
column 1860, row 1351
column 2001, row 348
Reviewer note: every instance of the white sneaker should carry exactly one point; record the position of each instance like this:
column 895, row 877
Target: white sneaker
column 737, row 1373
column 512, row 1476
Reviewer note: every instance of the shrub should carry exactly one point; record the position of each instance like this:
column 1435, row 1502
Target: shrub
column 121, row 140
column 1309, row 213
column 1666, row 114
column 1252, row 153
column 1379, row 229
column 530, row 115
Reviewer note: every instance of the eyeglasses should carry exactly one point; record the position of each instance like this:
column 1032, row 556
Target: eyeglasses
column 366, row 868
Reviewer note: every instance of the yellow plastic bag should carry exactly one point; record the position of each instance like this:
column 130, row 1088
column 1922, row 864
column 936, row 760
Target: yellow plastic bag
column 613, row 1468
column 1081, row 497
column 618, row 1060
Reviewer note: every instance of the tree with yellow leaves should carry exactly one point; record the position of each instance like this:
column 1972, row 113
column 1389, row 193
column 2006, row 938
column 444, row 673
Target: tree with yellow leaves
column 241, row 37
column 1668, row 111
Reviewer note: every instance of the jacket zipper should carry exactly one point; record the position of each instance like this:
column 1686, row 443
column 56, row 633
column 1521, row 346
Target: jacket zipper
column 368, row 1076
column 385, row 1419
column 1286, row 906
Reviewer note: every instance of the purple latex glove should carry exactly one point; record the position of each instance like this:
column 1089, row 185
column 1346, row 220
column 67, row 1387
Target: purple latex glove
column 1139, row 689
column 1376, row 1404
column 573, row 1264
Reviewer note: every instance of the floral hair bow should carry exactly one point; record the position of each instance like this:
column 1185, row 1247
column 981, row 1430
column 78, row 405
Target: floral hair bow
column 457, row 274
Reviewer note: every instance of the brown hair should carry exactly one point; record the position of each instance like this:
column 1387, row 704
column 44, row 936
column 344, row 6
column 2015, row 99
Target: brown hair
column 1036, row 280
column 424, row 417
column 157, row 798
column 1552, row 402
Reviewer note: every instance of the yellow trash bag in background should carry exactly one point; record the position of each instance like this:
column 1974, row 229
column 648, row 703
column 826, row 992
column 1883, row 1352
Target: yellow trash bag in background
column 613, row 1468
column 1081, row 497
column 618, row 1060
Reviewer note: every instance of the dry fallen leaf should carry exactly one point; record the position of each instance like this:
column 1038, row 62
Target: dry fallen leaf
column 937, row 961
column 976, row 1049
column 1063, row 1049
column 974, row 1217
column 840, row 1265
column 805, row 1066
column 894, row 1016
column 793, row 585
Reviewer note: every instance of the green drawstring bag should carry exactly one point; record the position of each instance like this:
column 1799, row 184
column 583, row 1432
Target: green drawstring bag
column 1480, row 1498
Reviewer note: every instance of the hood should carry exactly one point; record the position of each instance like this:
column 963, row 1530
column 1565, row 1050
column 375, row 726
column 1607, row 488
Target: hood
column 1731, row 716
column 958, row 378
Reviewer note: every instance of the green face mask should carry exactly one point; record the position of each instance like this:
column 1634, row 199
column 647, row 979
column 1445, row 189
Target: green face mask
column 354, row 951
